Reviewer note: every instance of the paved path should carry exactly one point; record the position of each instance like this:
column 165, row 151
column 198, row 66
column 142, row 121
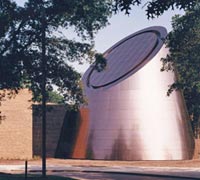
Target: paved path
column 114, row 176
column 108, row 172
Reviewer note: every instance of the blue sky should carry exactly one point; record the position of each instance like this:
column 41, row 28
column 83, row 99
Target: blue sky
column 122, row 25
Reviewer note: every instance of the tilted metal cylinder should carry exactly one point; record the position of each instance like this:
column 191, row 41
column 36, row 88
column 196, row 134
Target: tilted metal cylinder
column 130, row 115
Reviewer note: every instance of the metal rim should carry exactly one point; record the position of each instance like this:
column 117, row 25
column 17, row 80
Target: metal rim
column 136, row 67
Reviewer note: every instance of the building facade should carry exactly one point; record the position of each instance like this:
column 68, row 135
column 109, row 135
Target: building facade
column 128, row 117
column 21, row 129
column 131, row 116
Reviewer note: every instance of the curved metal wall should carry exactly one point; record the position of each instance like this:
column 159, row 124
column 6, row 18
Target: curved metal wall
column 132, row 118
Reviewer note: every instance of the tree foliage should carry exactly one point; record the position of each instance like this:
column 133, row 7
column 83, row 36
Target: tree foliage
column 184, row 57
column 20, row 42
column 154, row 8
column 52, row 97
column 21, row 34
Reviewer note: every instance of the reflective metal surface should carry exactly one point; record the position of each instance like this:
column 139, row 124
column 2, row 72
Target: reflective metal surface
column 131, row 118
column 80, row 145
column 132, row 53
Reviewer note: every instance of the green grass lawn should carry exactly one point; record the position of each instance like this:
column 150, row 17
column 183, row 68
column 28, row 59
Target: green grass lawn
column 30, row 177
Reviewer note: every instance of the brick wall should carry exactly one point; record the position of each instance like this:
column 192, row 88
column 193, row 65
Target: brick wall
column 21, row 130
column 16, row 128
column 54, row 122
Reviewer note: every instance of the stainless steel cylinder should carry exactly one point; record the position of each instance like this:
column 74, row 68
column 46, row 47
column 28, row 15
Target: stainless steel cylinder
column 130, row 115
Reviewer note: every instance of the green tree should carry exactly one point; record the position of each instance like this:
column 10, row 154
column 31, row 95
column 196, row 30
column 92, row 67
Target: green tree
column 20, row 38
column 33, row 55
column 21, row 50
column 52, row 97
column 184, row 57
column 8, row 21
column 154, row 8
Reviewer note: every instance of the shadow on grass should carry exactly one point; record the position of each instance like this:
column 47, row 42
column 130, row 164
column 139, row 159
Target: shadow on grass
column 7, row 176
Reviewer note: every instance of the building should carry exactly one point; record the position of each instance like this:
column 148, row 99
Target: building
column 21, row 129
column 131, row 117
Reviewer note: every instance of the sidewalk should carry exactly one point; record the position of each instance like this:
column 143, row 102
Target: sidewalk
column 173, row 168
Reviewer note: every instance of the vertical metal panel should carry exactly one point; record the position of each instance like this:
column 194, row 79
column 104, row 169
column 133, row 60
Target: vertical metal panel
column 80, row 146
